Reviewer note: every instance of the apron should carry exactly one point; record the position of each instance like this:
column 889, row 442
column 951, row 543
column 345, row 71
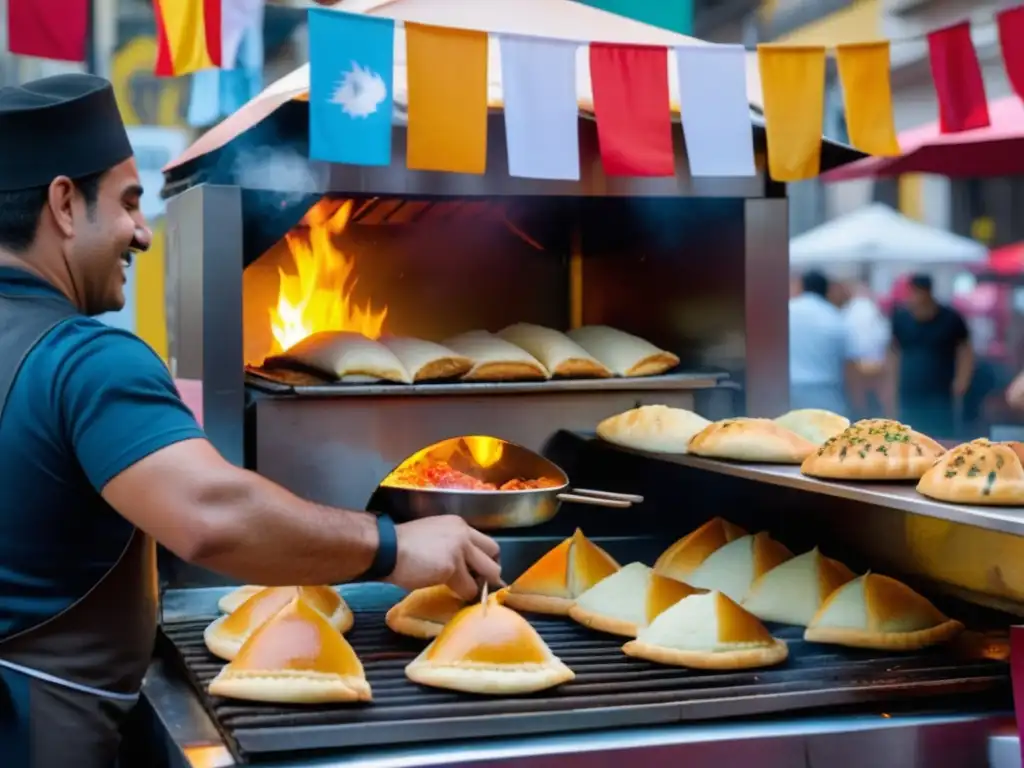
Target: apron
column 67, row 683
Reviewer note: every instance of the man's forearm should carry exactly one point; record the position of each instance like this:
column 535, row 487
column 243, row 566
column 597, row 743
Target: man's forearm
column 891, row 384
column 260, row 533
column 964, row 370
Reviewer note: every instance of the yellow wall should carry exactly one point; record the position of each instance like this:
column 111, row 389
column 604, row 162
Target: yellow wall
column 911, row 187
column 133, row 63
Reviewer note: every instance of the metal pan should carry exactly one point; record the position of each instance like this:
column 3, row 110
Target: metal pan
column 498, row 461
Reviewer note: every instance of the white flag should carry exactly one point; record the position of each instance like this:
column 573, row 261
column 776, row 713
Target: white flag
column 714, row 110
column 236, row 18
column 538, row 83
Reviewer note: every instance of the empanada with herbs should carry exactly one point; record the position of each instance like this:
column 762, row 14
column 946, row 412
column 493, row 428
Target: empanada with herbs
column 978, row 472
column 874, row 449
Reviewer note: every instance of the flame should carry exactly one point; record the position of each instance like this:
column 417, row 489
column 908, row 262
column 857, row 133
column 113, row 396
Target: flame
column 486, row 451
column 318, row 297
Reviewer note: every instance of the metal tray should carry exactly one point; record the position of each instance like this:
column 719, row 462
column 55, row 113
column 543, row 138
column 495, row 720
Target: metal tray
column 901, row 496
column 610, row 690
column 307, row 385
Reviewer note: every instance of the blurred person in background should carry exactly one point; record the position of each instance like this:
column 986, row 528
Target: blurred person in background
column 868, row 337
column 1015, row 393
column 931, row 361
column 819, row 369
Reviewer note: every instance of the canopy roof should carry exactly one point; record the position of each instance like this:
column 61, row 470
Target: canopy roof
column 877, row 233
column 997, row 150
column 559, row 19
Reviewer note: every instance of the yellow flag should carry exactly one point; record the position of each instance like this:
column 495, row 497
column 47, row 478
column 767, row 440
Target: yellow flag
column 447, row 71
column 867, row 97
column 793, row 82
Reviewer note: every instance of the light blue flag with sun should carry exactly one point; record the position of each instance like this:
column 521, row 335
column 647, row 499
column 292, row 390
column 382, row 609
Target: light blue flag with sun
column 351, row 65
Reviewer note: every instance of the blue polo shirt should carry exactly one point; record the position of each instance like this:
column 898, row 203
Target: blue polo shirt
column 88, row 402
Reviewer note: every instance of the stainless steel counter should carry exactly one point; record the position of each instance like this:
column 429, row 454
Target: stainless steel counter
column 892, row 495
column 189, row 739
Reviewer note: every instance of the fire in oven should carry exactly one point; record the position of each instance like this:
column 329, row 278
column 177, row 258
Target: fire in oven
column 356, row 293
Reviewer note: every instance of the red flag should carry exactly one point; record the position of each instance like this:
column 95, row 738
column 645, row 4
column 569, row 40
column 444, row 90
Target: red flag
column 189, row 36
column 50, row 29
column 631, row 104
column 957, row 77
column 1011, row 40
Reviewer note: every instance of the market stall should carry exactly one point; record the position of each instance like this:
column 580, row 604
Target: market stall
column 982, row 152
column 687, row 272
column 879, row 244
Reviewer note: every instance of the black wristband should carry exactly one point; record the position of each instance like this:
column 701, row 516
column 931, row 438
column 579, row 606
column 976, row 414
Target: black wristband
column 387, row 551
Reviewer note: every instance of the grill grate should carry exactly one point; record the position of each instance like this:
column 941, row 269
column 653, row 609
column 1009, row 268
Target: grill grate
column 610, row 690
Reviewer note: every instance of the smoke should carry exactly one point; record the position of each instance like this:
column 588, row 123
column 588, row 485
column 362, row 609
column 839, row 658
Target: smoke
column 284, row 171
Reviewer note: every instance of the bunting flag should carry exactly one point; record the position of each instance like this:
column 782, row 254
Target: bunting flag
column 793, row 82
column 351, row 65
column 538, row 84
column 446, row 70
column 188, row 34
column 1011, row 40
column 958, row 82
column 867, row 97
column 631, row 104
column 714, row 110
column 239, row 19
column 447, row 99
column 50, row 29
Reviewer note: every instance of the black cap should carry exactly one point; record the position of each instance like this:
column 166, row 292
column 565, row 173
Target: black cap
column 68, row 125
column 921, row 282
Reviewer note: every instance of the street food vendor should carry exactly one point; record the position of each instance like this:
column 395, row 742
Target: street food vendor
column 99, row 458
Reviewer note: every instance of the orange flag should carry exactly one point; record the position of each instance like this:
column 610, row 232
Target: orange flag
column 793, row 82
column 447, row 99
column 867, row 97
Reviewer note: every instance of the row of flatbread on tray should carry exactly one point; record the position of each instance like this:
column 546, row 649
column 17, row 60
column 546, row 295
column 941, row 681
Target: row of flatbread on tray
column 827, row 446
column 702, row 605
column 520, row 352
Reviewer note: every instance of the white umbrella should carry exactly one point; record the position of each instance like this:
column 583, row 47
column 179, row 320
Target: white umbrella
column 876, row 234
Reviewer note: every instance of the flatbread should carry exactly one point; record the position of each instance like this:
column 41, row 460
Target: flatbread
column 552, row 584
column 425, row 360
column 979, row 472
column 341, row 354
column 623, row 353
column 233, row 600
column 686, row 554
column 562, row 356
column 652, row 428
column 225, row 636
column 489, row 649
column 792, row 592
column 814, row 424
column 424, row 612
column 495, row 359
column 296, row 657
column 874, row 449
column 629, row 599
column 734, row 568
column 753, row 440
column 875, row 611
column 707, row 631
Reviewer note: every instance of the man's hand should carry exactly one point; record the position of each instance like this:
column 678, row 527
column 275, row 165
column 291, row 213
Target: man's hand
column 445, row 550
